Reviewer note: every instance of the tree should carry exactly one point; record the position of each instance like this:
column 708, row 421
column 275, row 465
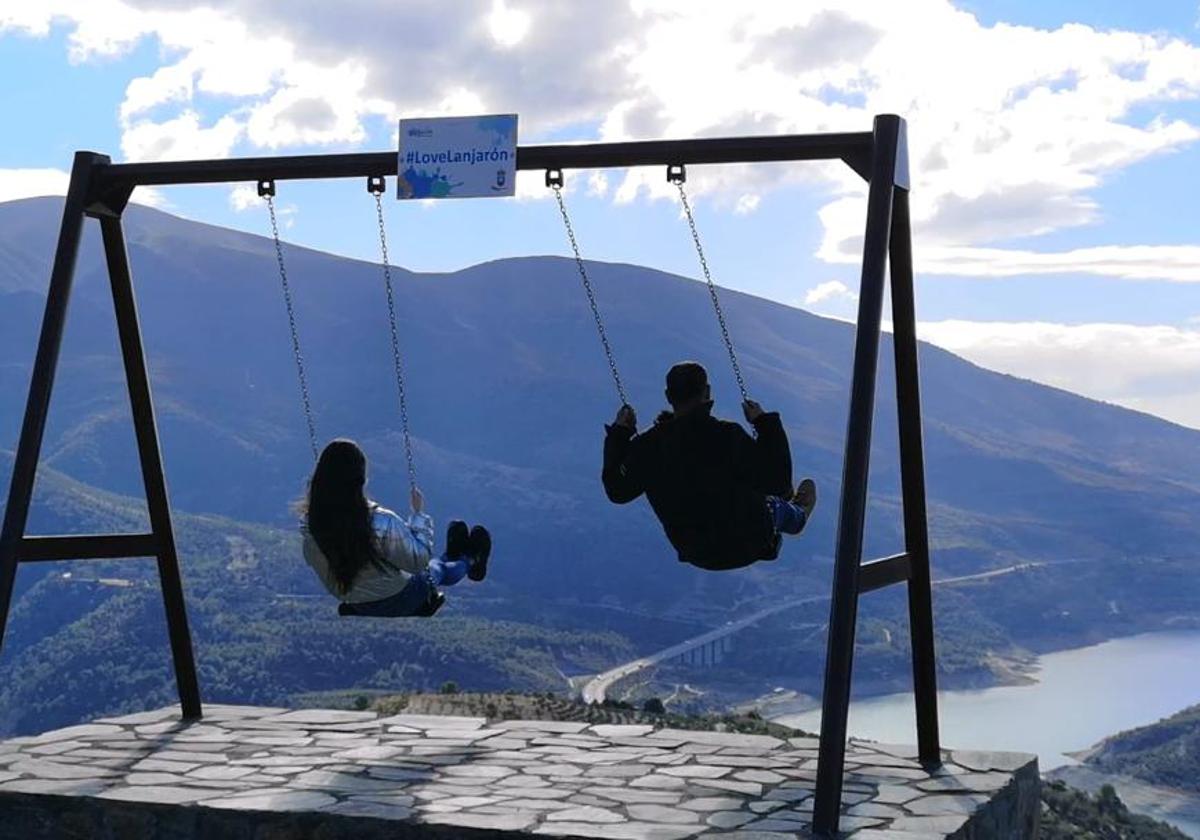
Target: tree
column 448, row 687
column 654, row 706
column 1108, row 801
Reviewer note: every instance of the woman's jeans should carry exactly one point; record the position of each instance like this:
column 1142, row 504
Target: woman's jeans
column 417, row 593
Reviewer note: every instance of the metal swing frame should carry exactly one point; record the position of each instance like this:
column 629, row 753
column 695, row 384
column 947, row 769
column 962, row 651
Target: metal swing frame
column 100, row 189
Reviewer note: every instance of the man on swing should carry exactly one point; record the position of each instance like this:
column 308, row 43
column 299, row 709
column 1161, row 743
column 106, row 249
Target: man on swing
column 723, row 497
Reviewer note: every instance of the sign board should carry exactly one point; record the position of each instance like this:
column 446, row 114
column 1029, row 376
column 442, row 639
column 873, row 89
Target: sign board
column 458, row 157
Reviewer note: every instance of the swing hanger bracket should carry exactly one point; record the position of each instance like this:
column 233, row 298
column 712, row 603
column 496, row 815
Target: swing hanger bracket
column 676, row 173
column 376, row 184
column 266, row 188
column 554, row 178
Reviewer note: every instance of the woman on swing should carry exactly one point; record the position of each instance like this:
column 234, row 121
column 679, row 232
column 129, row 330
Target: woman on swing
column 374, row 561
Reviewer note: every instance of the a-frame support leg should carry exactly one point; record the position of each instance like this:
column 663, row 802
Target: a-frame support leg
column 149, row 455
column 912, row 482
column 843, row 611
column 14, row 546
column 887, row 231
column 25, row 461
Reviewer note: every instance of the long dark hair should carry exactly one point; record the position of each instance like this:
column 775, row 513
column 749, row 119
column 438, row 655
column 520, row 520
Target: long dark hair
column 338, row 513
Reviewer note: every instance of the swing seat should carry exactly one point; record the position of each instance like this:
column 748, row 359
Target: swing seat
column 370, row 609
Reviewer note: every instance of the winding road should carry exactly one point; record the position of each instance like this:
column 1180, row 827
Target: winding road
column 596, row 689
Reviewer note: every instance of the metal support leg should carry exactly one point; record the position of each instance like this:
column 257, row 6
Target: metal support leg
column 912, row 477
column 20, row 494
column 150, row 457
column 852, row 514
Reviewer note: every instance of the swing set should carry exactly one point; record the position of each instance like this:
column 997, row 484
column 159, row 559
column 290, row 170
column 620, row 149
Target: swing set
column 100, row 189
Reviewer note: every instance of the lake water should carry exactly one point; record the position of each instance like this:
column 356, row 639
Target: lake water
column 1081, row 696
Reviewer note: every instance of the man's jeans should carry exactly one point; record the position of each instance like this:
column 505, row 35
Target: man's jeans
column 788, row 517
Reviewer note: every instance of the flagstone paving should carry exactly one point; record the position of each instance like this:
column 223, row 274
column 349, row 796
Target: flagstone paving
column 251, row 772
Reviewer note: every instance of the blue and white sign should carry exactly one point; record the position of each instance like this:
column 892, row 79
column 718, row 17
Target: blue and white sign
column 458, row 157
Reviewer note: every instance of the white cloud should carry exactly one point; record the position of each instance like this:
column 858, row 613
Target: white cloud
column 597, row 184
column 31, row 183
column 827, row 291
column 1012, row 128
column 244, row 196
column 1149, row 368
column 181, row 138
column 507, row 26
column 27, row 183
column 1174, row 263
column 1177, row 263
column 747, row 204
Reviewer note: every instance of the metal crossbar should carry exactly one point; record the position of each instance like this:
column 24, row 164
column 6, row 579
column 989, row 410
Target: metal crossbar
column 100, row 189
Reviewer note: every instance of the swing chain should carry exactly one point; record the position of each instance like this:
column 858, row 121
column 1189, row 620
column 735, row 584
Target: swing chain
column 555, row 182
column 376, row 186
column 266, row 189
column 677, row 175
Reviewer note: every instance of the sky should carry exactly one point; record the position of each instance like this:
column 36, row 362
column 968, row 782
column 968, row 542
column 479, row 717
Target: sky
column 1054, row 146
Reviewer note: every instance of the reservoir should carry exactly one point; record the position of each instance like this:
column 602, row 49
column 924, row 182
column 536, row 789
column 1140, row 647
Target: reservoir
column 1081, row 696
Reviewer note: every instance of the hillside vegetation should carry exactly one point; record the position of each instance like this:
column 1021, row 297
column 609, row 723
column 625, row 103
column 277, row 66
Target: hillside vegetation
column 1070, row 814
column 1165, row 753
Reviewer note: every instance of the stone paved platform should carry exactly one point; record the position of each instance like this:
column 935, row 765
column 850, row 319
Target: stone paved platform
column 249, row 773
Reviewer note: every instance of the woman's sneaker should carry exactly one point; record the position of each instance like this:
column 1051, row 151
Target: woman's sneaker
column 806, row 496
column 435, row 602
column 481, row 549
column 458, row 539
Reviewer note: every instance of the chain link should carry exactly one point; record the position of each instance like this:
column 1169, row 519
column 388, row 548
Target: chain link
column 712, row 291
column 591, row 296
column 291, row 313
column 391, row 302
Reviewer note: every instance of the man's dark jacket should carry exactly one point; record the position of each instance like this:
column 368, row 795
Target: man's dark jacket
column 707, row 481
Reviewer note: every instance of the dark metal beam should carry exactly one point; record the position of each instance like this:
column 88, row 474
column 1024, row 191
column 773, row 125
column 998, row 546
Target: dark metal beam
column 843, row 611
column 146, row 431
column 41, row 383
column 912, row 482
column 86, row 547
column 848, row 146
column 880, row 573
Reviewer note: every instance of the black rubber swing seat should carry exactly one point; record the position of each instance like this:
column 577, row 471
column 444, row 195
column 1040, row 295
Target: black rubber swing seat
column 363, row 610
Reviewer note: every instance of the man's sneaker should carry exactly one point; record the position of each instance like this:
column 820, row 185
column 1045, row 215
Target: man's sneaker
column 458, row 539
column 806, row 496
column 481, row 549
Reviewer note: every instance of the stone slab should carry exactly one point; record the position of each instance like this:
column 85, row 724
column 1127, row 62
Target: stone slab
column 249, row 772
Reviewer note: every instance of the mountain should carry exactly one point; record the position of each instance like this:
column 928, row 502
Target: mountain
column 508, row 396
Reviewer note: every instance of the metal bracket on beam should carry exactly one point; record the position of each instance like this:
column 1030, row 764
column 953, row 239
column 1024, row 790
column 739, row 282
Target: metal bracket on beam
column 105, row 197
column 860, row 162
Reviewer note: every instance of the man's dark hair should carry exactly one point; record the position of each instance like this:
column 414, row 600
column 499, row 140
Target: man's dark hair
column 686, row 381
